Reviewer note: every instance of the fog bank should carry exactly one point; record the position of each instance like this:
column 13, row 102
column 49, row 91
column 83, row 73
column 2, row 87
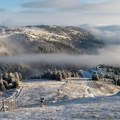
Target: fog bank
column 109, row 56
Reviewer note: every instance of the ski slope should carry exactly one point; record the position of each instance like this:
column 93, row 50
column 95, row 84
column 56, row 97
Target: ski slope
column 77, row 99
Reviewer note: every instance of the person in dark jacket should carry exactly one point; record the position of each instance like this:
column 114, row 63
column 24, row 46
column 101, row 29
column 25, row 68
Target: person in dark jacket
column 41, row 102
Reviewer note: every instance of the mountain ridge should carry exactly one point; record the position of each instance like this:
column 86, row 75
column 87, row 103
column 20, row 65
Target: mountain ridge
column 50, row 39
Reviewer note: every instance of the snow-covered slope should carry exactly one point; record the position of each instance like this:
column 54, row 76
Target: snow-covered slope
column 48, row 39
column 44, row 39
column 74, row 101
column 88, row 73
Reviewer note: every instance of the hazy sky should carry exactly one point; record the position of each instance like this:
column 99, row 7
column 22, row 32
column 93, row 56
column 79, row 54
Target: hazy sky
column 60, row 12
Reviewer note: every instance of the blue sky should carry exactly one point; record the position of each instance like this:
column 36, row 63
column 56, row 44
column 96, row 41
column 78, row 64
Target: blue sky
column 62, row 12
column 12, row 5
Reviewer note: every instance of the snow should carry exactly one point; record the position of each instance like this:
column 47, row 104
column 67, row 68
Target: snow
column 35, row 34
column 77, row 99
column 90, row 72
column 83, row 109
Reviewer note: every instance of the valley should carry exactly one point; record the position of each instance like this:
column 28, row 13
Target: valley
column 63, row 65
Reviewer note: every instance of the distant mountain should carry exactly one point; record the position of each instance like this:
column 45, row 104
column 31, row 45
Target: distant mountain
column 110, row 28
column 48, row 39
column 102, row 27
column 110, row 34
column 44, row 39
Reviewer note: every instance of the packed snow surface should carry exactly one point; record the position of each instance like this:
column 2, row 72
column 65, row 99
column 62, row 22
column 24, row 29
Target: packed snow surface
column 67, row 100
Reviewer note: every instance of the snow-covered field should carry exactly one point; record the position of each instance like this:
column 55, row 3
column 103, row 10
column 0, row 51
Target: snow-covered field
column 75, row 99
